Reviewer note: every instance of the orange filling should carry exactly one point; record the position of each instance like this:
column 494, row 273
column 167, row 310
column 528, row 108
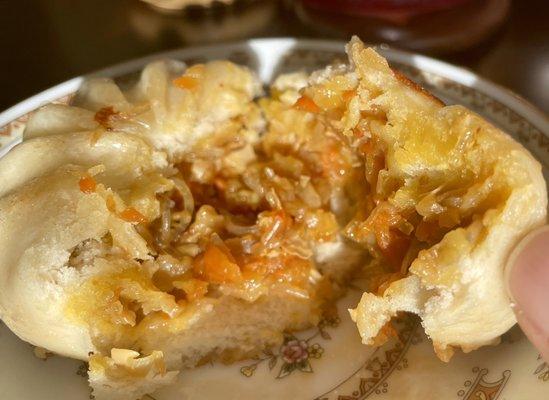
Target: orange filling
column 217, row 265
column 130, row 214
column 87, row 184
column 305, row 103
column 348, row 95
column 186, row 82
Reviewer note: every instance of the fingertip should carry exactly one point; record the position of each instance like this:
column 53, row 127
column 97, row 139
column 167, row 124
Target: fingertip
column 538, row 337
column 528, row 285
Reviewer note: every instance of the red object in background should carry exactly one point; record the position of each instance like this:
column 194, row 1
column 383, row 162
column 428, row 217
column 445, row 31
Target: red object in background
column 433, row 26
column 388, row 9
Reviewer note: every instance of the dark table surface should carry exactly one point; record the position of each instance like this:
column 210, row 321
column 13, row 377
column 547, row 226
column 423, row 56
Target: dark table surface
column 44, row 42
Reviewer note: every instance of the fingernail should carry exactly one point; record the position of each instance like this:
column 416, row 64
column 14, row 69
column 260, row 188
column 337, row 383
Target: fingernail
column 528, row 284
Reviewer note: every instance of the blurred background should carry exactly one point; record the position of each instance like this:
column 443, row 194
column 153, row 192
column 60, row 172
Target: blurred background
column 44, row 42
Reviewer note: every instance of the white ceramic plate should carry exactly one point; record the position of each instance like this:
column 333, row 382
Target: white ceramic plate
column 328, row 362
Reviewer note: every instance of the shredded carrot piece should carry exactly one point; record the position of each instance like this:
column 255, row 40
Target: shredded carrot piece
column 87, row 184
column 219, row 266
column 111, row 205
column 305, row 103
column 186, row 82
column 348, row 95
column 130, row 214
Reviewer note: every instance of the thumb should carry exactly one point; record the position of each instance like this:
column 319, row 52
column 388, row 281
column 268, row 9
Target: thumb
column 528, row 280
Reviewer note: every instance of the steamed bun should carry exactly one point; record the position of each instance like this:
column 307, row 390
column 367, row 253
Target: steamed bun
column 171, row 106
column 44, row 214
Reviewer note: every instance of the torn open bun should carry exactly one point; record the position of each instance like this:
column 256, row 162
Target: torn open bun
column 153, row 227
column 449, row 196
